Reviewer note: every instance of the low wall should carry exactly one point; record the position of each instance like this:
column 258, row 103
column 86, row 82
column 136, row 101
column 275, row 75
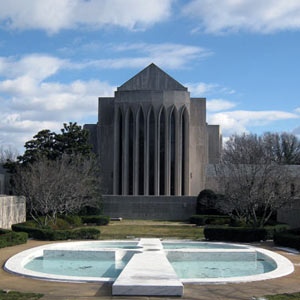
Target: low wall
column 289, row 216
column 150, row 207
column 2, row 183
column 12, row 210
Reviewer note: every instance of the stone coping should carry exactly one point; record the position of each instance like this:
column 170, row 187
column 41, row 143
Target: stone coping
column 16, row 263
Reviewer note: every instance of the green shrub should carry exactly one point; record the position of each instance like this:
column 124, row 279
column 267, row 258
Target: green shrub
column 74, row 221
column 86, row 234
column 60, row 224
column 201, row 220
column 56, row 235
column 98, row 220
column 10, row 238
column 235, row 222
column 91, row 210
column 206, row 203
column 289, row 238
column 272, row 230
column 235, row 234
column 36, row 233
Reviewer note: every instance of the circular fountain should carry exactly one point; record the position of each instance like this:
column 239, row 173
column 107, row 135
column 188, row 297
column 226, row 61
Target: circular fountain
column 116, row 261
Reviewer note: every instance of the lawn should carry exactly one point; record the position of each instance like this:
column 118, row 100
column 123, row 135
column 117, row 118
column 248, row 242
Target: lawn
column 152, row 228
column 10, row 295
column 294, row 296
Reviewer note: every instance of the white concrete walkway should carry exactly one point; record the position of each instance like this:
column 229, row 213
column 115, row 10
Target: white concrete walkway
column 148, row 274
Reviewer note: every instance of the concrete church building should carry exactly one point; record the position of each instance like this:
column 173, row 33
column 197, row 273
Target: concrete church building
column 153, row 140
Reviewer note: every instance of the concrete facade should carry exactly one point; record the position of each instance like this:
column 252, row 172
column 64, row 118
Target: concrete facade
column 153, row 139
column 12, row 210
column 150, row 207
column 214, row 143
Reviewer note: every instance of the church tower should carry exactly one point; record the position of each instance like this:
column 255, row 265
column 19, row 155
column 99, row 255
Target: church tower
column 152, row 138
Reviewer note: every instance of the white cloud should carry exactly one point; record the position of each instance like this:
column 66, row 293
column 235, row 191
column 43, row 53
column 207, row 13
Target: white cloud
column 237, row 121
column 219, row 104
column 267, row 16
column 30, row 103
column 202, row 88
column 37, row 66
column 55, row 15
column 297, row 110
column 165, row 55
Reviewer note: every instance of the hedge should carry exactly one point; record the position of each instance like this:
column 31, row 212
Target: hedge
column 55, row 235
column 272, row 230
column 235, row 234
column 289, row 238
column 74, row 221
column 209, row 220
column 98, row 220
column 10, row 238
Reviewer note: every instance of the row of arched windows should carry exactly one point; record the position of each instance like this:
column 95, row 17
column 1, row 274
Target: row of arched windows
column 151, row 156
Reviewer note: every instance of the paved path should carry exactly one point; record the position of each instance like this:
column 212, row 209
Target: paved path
column 148, row 273
column 91, row 291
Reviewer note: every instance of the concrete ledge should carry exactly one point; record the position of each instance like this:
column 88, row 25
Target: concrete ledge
column 212, row 255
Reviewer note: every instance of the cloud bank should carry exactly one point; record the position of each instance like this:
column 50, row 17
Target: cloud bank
column 55, row 15
column 237, row 121
column 260, row 16
column 30, row 102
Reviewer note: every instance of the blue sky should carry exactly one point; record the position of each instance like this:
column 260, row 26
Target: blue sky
column 58, row 56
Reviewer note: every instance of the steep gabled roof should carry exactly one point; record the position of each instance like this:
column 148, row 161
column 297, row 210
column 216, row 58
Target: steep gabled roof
column 152, row 78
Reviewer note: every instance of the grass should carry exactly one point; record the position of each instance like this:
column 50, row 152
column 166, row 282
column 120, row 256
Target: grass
column 151, row 228
column 294, row 296
column 10, row 295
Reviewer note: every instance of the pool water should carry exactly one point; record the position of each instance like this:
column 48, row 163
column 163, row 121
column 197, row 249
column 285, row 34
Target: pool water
column 230, row 268
column 77, row 267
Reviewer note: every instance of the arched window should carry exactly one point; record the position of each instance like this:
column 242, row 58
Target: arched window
column 151, row 150
column 172, row 152
column 184, row 151
column 292, row 189
column 120, row 151
column 130, row 153
column 141, row 151
column 162, row 151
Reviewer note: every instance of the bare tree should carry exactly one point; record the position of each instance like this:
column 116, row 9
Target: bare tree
column 254, row 186
column 61, row 186
column 8, row 153
column 282, row 148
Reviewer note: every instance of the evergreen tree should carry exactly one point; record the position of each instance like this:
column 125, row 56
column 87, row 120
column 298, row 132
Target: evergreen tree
column 72, row 140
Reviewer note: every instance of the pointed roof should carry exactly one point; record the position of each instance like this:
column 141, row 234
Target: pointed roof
column 151, row 78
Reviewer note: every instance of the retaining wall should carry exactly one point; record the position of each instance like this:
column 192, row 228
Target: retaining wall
column 150, row 207
column 12, row 210
column 2, row 183
column 289, row 216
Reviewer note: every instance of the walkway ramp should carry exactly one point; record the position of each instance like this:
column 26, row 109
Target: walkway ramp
column 148, row 274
